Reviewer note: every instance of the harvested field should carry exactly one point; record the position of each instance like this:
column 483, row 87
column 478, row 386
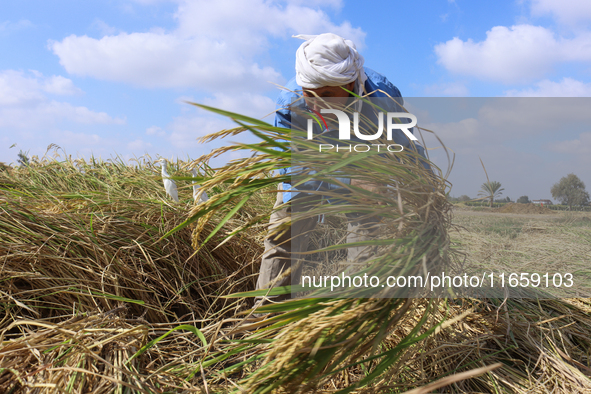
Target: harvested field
column 525, row 209
column 557, row 243
column 98, row 295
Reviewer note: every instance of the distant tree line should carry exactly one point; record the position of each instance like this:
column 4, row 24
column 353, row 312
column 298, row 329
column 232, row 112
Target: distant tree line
column 569, row 191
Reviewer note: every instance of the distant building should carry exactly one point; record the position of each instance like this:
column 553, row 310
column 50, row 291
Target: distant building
column 542, row 202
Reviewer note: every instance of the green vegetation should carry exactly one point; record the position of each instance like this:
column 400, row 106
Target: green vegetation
column 570, row 190
column 491, row 190
column 505, row 227
column 23, row 158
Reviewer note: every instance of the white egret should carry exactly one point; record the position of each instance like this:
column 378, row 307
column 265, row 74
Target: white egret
column 169, row 184
column 196, row 188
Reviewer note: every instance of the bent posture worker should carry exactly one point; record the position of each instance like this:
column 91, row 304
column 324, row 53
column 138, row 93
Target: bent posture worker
column 326, row 65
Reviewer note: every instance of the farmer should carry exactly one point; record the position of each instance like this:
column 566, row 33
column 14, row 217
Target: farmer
column 325, row 64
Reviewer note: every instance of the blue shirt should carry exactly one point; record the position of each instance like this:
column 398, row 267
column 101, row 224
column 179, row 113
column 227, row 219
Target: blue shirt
column 375, row 82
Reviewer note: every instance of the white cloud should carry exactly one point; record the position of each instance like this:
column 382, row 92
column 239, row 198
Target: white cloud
column 511, row 136
column 264, row 18
column 521, row 117
column 214, row 47
column 182, row 135
column 336, row 4
column 450, row 89
column 59, row 85
column 78, row 114
column 104, row 28
column 8, row 26
column 567, row 87
column 459, row 136
column 45, row 114
column 253, row 105
column 483, row 123
column 155, row 130
column 77, row 138
column 81, row 144
column 24, row 103
column 149, row 2
column 186, row 130
column 579, row 147
column 162, row 60
column 567, row 12
column 138, row 145
column 512, row 55
column 18, row 88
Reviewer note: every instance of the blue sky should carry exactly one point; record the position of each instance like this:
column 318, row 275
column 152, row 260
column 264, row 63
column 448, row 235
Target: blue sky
column 110, row 77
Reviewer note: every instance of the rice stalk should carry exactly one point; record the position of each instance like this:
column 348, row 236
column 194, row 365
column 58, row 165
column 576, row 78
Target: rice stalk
column 79, row 236
column 308, row 341
column 105, row 287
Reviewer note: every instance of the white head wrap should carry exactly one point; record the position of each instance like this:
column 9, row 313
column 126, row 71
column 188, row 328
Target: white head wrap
column 328, row 60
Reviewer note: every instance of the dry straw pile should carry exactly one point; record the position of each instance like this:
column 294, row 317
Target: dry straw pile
column 81, row 248
column 107, row 286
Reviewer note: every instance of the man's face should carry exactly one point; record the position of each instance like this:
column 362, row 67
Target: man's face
column 329, row 91
column 333, row 93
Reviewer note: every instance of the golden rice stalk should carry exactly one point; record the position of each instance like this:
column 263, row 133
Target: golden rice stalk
column 310, row 340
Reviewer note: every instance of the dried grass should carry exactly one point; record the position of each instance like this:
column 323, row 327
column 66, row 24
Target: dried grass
column 95, row 300
column 71, row 242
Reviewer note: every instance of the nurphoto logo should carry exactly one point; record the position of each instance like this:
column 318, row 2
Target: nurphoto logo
column 345, row 130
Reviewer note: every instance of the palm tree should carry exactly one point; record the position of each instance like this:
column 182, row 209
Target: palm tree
column 490, row 190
